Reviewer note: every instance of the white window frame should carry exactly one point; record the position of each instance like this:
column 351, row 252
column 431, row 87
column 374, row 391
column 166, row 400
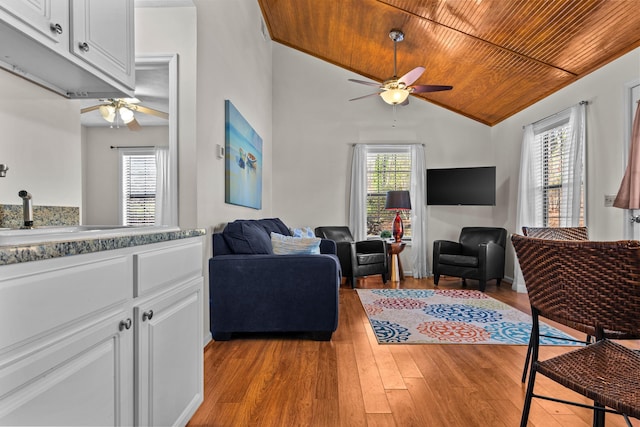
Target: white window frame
column 406, row 219
column 122, row 153
column 544, row 136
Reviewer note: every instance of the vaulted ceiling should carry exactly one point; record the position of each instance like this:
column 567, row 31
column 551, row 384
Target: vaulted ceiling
column 500, row 56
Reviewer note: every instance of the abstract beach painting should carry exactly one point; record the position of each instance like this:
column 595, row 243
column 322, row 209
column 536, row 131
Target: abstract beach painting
column 243, row 160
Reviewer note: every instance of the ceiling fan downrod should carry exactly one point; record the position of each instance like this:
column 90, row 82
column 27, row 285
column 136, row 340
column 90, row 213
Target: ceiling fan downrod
column 396, row 36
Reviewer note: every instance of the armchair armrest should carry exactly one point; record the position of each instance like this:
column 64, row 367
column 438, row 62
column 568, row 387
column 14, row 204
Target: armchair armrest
column 491, row 258
column 446, row 247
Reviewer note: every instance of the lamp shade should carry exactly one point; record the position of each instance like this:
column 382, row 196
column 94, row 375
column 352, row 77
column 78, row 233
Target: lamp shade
column 398, row 200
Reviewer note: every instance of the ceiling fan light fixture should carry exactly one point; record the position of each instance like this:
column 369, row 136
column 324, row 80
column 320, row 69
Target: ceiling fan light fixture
column 395, row 96
column 125, row 114
column 108, row 112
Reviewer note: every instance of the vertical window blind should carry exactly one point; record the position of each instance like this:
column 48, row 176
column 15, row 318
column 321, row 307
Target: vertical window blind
column 138, row 189
column 556, row 172
column 386, row 171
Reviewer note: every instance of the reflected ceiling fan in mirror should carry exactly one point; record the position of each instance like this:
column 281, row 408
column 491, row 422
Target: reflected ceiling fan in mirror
column 115, row 109
column 396, row 91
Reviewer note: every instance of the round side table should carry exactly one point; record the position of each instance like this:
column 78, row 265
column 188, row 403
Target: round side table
column 396, row 266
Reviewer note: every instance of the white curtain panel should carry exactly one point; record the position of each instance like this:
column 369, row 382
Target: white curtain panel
column 529, row 207
column 164, row 215
column 572, row 170
column 358, row 196
column 418, row 212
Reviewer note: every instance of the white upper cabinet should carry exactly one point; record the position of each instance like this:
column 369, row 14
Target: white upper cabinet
column 103, row 36
column 46, row 20
column 78, row 48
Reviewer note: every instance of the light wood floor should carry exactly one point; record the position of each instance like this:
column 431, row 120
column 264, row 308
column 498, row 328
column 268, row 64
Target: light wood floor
column 353, row 381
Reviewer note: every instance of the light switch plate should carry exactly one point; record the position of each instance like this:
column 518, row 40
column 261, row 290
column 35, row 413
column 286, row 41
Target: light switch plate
column 608, row 200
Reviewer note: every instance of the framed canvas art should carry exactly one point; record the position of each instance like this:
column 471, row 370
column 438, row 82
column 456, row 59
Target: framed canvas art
column 243, row 160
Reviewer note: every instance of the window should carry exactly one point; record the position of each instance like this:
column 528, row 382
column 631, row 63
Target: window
column 386, row 170
column 556, row 163
column 138, row 189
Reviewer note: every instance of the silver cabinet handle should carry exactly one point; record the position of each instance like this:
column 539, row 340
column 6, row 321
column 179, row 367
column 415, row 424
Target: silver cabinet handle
column 56, row 28
column 147, row 315
column 125, row 324
column 84, row 46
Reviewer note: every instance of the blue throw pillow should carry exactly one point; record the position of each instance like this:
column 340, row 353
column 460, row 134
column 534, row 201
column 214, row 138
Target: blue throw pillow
column 303, row 232
column 247, row 237
column 290, row 245
column 273, row 225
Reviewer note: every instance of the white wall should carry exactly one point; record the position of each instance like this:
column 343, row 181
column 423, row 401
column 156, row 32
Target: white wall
column 234, row 63
column 101, row 163
column 604, row 90
column 315, row 127
column 40, row 143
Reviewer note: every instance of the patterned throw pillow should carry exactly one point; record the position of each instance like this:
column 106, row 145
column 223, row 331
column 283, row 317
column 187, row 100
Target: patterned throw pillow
column 303, row 232
column 290, row 245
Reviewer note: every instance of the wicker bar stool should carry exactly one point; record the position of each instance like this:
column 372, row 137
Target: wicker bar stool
column 567, row 233
column 556, row 233
column 595, row 284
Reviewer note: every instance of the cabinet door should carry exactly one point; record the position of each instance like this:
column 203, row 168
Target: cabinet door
column 44, row 20
column 84, row 378
column 103, row 36
column 169, row 373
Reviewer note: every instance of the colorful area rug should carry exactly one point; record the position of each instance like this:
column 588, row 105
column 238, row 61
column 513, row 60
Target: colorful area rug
column 448, row 316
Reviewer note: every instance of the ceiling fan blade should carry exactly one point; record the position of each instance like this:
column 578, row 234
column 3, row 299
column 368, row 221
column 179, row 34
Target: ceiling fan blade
column 430, row 88
column 411, row 76
column 362, row 82
column 134, row 125
column 92, row 108
column 365, row 96
column 151, row 111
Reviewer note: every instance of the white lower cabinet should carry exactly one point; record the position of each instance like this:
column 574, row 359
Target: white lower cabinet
column 83, row 379
column 169, row 373
column 77, row 348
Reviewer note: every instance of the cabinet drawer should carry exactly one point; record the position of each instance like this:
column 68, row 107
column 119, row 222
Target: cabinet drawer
column 55, row 292
column 167, row 266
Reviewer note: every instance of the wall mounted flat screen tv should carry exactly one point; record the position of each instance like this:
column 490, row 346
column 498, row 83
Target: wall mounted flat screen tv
column 462, row 186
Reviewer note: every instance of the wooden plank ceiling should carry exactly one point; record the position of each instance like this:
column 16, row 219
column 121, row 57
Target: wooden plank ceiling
column 500, row 56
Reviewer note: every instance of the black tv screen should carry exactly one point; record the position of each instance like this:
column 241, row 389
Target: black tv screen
column 462, row 186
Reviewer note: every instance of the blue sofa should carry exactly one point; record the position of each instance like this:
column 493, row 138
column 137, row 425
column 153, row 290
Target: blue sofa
column 253, row 290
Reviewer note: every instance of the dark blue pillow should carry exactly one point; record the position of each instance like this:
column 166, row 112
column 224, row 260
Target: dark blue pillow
column 247, row 237
column 274, row 225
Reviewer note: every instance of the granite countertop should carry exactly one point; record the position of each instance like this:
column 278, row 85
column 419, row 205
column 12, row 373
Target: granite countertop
column 13, row 254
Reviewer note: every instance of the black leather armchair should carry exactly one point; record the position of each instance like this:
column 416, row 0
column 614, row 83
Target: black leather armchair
column 357, row 259
column 479, row 255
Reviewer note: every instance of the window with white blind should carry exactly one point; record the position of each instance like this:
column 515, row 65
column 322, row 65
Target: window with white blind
column 557, row 163
column 138, row 189
column 386, row 171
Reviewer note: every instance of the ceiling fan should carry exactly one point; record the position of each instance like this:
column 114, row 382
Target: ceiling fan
column 123, row 109
column 395, row 91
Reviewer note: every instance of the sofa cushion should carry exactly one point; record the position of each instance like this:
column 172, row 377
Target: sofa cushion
column 289, row 245
column 247, row 237
column 459, row 260
column 374, row 258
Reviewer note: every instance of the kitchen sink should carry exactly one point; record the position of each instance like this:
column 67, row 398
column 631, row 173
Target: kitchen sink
column 75, row 232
